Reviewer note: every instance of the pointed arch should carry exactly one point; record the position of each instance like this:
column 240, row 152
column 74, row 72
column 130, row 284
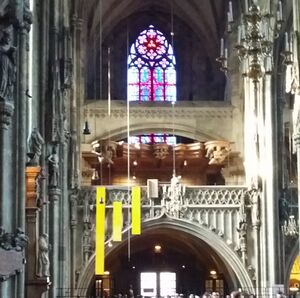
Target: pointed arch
column 237, row 272
column 151, row 72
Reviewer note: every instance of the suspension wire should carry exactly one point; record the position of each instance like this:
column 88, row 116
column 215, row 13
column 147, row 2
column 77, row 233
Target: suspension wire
column 108, row 82
column 128, row 156
column 100, row 80
column 173, row 101
column 100, row 49
column 172, row 25
column 173, row 125
column 109, row 105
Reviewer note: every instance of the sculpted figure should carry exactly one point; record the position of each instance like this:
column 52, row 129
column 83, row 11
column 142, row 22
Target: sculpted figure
column 7, row 65
column 43, row 256
column 255, row 210
column 36, row 143
column 53, row 168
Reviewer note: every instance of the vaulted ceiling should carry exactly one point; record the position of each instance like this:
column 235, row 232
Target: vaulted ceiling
column 206, row 18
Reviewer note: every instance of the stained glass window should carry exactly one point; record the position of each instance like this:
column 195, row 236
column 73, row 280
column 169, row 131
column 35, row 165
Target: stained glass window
column 153, row 139
column 151, row 68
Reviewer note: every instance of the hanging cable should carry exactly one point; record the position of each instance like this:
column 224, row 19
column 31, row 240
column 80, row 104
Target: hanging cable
column 128, row 154
column 108, row 105
column 174, row 143
column 100, row 49
column 173, row 101
column 108, row 82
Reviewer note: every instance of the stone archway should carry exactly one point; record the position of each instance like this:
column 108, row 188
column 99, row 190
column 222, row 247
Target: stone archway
column 238, row 274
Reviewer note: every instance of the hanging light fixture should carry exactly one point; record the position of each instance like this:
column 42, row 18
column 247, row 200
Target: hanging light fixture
column 255, row 38
column 290, row 227
column 86, row 129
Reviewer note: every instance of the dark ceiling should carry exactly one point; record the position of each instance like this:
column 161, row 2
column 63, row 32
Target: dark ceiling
column 207, row 18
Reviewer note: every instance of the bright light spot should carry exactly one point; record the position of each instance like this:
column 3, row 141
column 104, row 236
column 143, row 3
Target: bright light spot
column 133, row 177
column 183, row 266
column 185, row 163
column 213, row 272
column 157, row 248
column 294, row 289
column 106, row 272
column 135, row 163
column 121, row 142
column 110, row 244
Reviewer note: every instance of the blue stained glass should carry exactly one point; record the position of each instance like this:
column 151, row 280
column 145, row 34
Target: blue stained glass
column 159, row 75
column 145, row 75
column 159, row 94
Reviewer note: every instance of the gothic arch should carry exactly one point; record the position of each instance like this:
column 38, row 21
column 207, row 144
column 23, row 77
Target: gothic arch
column 236, row 270
column 179, row 129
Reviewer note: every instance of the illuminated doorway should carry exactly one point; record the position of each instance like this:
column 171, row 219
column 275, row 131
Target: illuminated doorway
column 158, row 284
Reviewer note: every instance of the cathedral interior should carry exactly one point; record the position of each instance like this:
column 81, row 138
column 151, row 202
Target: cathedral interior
column 149, row 148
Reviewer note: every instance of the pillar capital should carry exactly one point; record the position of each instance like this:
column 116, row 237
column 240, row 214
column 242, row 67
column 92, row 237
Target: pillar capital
column 54, row 193
column 32, row 174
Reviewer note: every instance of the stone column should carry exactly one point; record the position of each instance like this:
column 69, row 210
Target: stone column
column 54, row 197
column 270, row 182
column 73, row 241
column 35, row 286
column 6, row 113
column 256, row 222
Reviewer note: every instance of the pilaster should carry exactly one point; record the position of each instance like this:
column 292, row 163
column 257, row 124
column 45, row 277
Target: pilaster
column 35, row 286
column 54, row 194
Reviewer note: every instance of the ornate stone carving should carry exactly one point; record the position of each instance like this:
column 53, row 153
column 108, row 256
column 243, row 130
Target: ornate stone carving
column 162, row 112
column 66, row 64
column 10, row 241
column 86, row 242
column 7, row 65
column 43, row 256
column 106, row 150
column 173, row 198
column 36, row 143
column 242, row 245
column 160, row 151
column 6, row 113
column 73, row 206
column 11, row 252
column 217, row 151
column 27, row 16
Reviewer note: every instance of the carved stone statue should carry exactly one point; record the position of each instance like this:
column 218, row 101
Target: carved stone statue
column 53, row 164
column 173, row 197
column 20, row 240
column 255, row 208
column 43, row 256
column 36, row 143
column 7, row 65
